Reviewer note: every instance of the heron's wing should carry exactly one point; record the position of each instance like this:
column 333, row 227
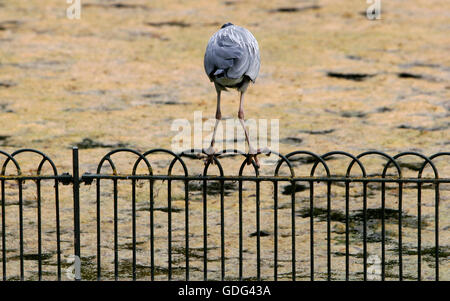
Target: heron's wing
column 220, row 54
column 235, row 50
column 249, row 63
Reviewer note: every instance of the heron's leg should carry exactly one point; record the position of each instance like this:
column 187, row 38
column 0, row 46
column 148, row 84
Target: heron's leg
column 218, row 118
column 251, row 151
column 242, row 121
column 211, row 150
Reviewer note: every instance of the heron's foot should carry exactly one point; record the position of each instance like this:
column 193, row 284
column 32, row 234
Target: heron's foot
column 210, row 152
column 265, row 150
column 253, row 155
column 253, row 158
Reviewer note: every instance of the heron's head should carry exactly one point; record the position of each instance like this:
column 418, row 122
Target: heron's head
column 226, row 25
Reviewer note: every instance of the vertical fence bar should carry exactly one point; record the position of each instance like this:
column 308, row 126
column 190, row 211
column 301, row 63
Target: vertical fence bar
column 293, row 183
column 329, row 230
column 347, row 230
column 419, row 231
column 222, row 230
column 400, row 243
column 116, row 232
column 76, row 209
column 258, row 233
column 39, row 225
column 152, row 233
column 436, row 230
column 205, row 232
column 365, row 231
column 186, row 221
column 311, row 229
column 240, row 230
column 21, row 229
column 169, row 227
column 99, row 254
column 275, row 230
column 383, row 231
column 133, row 225
column 3, row 231
column 58, row 231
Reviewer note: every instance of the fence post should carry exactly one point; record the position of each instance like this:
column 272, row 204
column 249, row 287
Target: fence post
column 76, row 211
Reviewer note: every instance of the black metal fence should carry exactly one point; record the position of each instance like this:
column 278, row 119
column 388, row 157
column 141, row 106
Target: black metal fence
column 321, row 226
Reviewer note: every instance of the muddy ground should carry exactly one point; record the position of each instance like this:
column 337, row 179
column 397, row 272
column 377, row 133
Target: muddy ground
column 121, row 75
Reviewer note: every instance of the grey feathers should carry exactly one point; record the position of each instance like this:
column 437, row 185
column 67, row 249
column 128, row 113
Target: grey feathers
column 232, row 52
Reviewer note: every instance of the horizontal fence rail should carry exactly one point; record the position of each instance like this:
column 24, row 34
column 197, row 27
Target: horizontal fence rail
column 302, row 217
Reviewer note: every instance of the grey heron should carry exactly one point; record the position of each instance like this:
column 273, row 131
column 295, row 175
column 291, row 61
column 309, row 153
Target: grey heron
column 232, row 60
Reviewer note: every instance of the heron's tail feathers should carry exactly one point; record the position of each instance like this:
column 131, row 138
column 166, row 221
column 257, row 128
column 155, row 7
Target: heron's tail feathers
column 219, row 73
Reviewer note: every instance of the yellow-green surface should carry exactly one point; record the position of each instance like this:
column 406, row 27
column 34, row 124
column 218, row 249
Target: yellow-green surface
column 106, row 77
